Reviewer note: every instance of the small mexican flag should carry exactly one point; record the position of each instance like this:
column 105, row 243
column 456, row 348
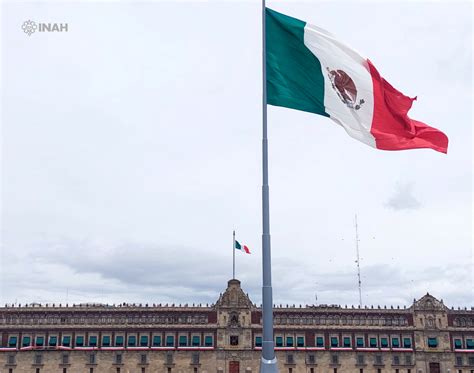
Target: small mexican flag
column 245, row 248
column 308, row 69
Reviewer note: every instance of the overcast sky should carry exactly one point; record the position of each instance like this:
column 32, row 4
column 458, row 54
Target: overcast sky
column 131, row 148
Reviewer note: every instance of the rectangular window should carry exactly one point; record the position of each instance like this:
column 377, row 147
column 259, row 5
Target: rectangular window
column 384, row 342
column 208, row 341
column 53, row 340
column 360, row 341
column 196, row 341
column 470, row 360
column 470, row 344
column 458, row 343
column 319, row 342
column 335, row 359
column 106, row 341
column 289, row 341
column 407, row 342
column 92, row 358
column 119, row 340
column 395, row 342
column 11, row 360
column 334, row 342
column 40, row 341
column 459, row 360
column 311, row 359
column 373, row 342
column 144, row 341
column 290, row 359
column 432, row 342
column 156, row 340
column 408, row 360
column 361, row 359
column 195, row 358
column 80, row 341
column 378, row 360
column 143, row 358
column 279, row 341
column 66, row 341
column 93, row 341
column 183, row 340
column 169, row 341
column 169, row 358
column 118, row 359
column 38, row 359
column 132, row 341
column 12, row 342
column 300, row 341
column 347, row 341
column 396, row 360
column 258, row 341
column 65, row 359
column 26, row 341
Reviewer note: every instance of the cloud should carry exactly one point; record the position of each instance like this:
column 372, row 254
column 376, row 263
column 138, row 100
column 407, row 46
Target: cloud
column 165, row 176
column 403, row 198
column 88, row 271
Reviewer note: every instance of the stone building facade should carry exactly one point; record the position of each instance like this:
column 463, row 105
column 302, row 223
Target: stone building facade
column 225, row 337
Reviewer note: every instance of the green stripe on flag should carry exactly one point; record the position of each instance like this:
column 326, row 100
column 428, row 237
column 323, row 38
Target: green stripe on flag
column 237, row 245
column 294, row 77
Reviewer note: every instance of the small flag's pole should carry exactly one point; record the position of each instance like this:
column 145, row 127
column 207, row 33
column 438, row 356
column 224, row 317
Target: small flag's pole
column 268, row 363
column 233, row 255
column 358, row 261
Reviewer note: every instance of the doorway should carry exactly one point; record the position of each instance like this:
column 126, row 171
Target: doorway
column 234, row 367
column 434, row 368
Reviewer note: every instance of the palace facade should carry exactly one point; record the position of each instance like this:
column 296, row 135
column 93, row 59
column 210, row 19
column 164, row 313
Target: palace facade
column 427, row 337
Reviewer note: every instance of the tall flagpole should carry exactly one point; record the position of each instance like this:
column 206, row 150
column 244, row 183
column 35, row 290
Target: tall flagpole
column 268, row 363
column 233, row 255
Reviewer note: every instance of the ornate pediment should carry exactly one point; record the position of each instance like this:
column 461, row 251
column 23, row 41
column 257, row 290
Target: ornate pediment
column 429, row 303
column 234, row 297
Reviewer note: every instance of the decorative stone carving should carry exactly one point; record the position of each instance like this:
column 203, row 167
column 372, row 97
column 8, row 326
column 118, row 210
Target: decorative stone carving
column 429, row 303
column 234, row 297
column 234, row 320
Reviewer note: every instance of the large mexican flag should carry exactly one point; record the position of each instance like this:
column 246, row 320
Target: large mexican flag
column 309, row 69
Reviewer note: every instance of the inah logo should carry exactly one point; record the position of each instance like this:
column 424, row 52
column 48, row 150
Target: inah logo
column 30, row 27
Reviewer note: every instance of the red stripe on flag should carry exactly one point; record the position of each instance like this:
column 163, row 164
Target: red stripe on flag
column 391, row 126
column 246, row 249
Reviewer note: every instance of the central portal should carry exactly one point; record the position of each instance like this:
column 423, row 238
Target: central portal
column 234, row 367
column 434, row 368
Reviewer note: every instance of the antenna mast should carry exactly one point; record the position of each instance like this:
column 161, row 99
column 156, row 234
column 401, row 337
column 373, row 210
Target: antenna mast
column 358, row 261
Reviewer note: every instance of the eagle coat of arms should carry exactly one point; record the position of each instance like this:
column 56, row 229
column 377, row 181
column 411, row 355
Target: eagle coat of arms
column 345, row 88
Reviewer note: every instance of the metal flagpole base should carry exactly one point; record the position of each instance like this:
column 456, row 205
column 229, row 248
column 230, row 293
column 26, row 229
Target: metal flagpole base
column 268, row 366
